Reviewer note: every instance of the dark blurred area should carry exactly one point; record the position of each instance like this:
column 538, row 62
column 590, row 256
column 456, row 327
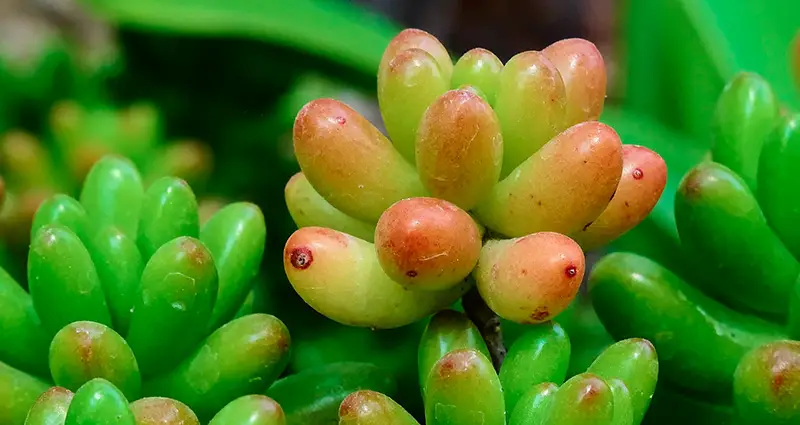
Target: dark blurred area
column 505, row 27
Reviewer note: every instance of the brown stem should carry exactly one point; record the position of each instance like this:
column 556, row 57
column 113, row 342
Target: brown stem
column 488, row 323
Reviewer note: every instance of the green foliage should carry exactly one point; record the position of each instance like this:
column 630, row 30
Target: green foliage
column 114, row 322
column 729, row 316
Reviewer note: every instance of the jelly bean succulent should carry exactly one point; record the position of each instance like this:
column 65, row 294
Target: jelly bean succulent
column 730, row 323
column 99, row 402
column 493, row 176
column 460, row 385
column 36, row 168
column 126, row 285
column 310, row 397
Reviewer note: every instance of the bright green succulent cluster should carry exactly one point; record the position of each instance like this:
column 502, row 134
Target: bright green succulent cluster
column 37, row 168
column 99, row 402
column 125, row 284
column 494, row 174
column 731, row 321
column 460, row 385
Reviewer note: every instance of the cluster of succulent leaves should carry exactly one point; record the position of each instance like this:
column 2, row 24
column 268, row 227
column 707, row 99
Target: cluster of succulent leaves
column 495, row 173
column 460, row 385
column 100, row 402
column 34, row 169
column 728, row 328
column 125, row 284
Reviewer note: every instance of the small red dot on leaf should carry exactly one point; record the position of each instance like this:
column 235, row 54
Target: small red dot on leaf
column 571, row 271
column 301, row 258
column 540, row 314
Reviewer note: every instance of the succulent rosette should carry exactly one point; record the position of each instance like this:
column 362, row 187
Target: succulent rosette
column 37, row 167
column 493, row 176
column 460, row 385
column 100, row 402
column 129, row 296
column 730, row 322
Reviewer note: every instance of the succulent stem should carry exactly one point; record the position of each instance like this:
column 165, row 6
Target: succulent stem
column 488, row 323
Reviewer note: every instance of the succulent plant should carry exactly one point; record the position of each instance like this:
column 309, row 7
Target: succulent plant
column 460, row 385
column 494, row 176
column 124, row 284
column 79, row 137
column 730, row 325
column 310, row 397
column 313, row 396
column 99, row 402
